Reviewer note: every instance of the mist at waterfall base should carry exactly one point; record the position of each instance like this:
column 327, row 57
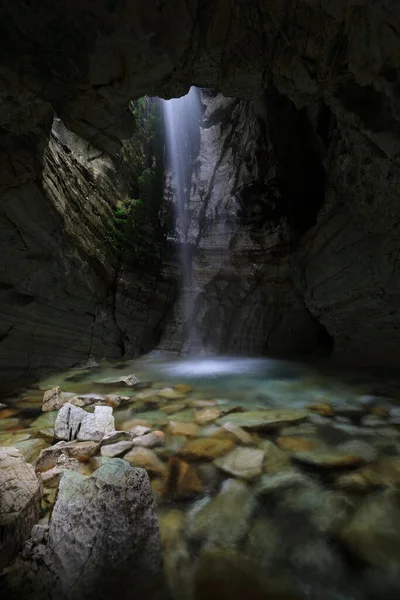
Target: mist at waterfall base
column 182, row 132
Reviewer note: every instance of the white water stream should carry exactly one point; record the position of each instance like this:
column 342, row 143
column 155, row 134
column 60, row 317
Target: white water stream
column 181, row 118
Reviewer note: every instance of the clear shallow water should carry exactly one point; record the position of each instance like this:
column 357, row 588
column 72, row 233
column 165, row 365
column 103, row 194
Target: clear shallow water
column 276, row 479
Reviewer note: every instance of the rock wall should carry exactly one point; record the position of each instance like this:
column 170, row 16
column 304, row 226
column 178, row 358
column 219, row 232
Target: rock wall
column 320, row 57
column 65, row 294
column 245, row 223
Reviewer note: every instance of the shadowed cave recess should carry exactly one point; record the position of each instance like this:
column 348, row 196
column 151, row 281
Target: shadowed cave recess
column 200, row 223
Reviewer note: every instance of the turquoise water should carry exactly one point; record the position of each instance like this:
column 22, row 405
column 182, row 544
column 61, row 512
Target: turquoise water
column 274, row 479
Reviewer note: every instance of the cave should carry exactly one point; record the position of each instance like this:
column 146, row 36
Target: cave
column 199, row 299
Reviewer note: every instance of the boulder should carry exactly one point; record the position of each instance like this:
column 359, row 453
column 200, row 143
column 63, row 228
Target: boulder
column 20, row 497
column 73, row 423
column 103, row 536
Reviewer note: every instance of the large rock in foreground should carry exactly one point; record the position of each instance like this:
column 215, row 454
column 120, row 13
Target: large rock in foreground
column 103, row 540
column 20, row 495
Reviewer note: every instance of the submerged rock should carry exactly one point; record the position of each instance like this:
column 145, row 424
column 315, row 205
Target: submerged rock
column 373, row 532
column 182, row 481
column 146, row 459
column 154, row 439
column 224, row 520
column 187, row 429
column 385, row 472
column 245, row 463
column 20, row 496
column 265, row 419
column 205, row 448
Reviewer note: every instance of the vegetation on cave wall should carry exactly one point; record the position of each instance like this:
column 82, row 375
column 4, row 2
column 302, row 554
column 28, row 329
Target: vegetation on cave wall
column 140, row 226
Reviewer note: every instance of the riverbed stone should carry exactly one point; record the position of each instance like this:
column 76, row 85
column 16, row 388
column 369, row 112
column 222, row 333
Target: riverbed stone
column 182, row 481
column 46, row 420
column 170, row 394
column 224, row 520
column 243, row 436
column 384, row 472
column 146, row 459
column 117, row 449
column 207, row 415
column 154, row 439
column 205, row 448
column 20, row 497
column 31, row 448
column 174, row 407
column 295, row 444
column 267, row 419
column 373, row 532
column 224, row 573
column 8, row 424
column 182, row 428
column 244, row 463
column 149, row 419
column 183, row 388
column 329, row 458
column 275, row 459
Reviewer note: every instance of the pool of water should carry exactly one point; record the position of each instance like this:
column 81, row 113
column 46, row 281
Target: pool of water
column 272, row 479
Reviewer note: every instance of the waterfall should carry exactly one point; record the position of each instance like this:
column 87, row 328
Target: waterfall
column 181, row 118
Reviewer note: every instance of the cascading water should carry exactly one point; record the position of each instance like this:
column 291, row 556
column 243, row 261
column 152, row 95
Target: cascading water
column 181, row 118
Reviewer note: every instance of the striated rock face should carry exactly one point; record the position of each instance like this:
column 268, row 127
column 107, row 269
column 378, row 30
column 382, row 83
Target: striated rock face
column 328, row 263
column 65, row 295
column 246, row 219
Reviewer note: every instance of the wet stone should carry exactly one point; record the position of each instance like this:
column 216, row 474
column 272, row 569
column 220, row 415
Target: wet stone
column 295, row 444
column 146, row 459
column 205, row 448
column 182, row 481
column 117, row 449
column 7, row 424
column 207, row 415
column 244, row 463
column 31, row 449
column 268, row 419
column 171, row 394
column 183, row 388
column 222, row 574
column 275, row 459
column 329, row 458
column 186, row 429
column 154, row 439
column 373, row 532
column 224, row 520
column 172, row 408
column 384, row 472
column 242, row 436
